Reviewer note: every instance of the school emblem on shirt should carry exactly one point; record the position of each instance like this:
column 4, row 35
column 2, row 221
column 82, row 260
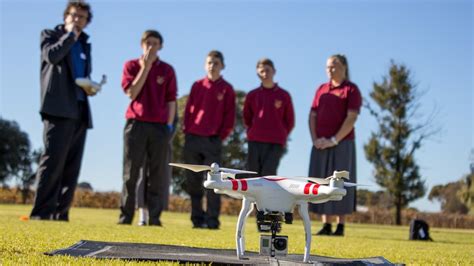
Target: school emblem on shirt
column 160, row 80
column 278, row 104
column 220, row 96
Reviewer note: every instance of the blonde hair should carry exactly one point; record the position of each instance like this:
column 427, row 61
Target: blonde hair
column 343, row 60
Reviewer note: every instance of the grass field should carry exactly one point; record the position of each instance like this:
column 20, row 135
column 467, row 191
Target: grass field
column 23, row 242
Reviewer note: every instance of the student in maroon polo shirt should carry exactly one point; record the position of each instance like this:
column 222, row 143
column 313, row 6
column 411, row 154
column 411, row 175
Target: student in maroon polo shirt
column 269, row 118
column 334, row 112
column 151, row 85
column 208, row 120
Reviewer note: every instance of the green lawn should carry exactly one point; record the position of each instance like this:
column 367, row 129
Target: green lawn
column 23, row 242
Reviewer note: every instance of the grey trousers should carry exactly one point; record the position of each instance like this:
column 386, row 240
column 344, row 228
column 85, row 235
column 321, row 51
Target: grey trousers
column 202, row 150
column 151, row 140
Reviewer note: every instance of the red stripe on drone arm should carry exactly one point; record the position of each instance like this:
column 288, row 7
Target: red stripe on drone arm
column 244, row 184
column 235, row 184
column 315, row 189
column 306, row 188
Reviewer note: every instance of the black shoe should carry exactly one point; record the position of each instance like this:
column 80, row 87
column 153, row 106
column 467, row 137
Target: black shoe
column 125, row 220
column 154, row 222
column 213, row 224
column 41, row 218
column 325, row 231
column 61, row 217
column 200, row 226
column 339, row 230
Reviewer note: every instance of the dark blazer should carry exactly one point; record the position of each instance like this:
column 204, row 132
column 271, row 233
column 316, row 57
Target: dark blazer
column 58, row 88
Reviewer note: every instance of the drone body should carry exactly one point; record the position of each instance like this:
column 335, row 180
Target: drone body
column 272, row 195
column 275, row 194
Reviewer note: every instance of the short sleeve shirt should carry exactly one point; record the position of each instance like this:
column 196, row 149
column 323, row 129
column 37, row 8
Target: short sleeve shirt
column 159, row 89
column 331, row 105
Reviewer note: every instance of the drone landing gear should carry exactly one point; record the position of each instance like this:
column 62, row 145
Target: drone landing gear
column 274, row 226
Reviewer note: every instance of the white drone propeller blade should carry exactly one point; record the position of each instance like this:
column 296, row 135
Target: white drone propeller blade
column 192, row 167
column 349, row 184
column 236, row 171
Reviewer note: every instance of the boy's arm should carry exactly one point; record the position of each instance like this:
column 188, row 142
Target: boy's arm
column 170, row 97
column 229, row 115
column 247, row 112
column 146, row 61
column 171, row 112
column 289, row 116
column 187, row 110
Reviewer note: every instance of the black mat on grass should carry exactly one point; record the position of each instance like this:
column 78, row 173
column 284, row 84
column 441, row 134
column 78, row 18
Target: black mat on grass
column 184, row 254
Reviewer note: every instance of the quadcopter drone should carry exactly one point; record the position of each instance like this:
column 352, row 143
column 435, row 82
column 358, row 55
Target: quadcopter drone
column 275, row 198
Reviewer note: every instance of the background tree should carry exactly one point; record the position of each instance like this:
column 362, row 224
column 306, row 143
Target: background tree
column 86, row 186
column 234, row 151
column 28, row 177
column 15, row 157
column 378, row 199
column 451, row 196
column 466, row 191
column 391, row 149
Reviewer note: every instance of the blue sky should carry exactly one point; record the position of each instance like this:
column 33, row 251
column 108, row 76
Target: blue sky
column 433, row 38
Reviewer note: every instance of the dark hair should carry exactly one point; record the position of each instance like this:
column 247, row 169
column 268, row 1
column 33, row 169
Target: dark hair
column 343, row 60
column 78, row 5
column 151, row 33
column 266, row 62
column 216, row 54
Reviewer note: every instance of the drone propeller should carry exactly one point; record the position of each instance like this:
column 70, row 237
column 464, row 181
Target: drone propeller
column 193, row 167
column 325, row 181
column 214, row 168
column 338, row 175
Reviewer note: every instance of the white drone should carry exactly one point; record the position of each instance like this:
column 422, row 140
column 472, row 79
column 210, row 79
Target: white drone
column 274, row 196
column 91, row 87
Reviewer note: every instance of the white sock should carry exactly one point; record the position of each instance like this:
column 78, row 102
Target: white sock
column 143, row 215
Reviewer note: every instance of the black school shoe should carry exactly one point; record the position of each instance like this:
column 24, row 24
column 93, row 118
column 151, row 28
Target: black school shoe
column 325, row 231
column 339, row 230
column 213, row 224
column 199, row 225
column 154, row 222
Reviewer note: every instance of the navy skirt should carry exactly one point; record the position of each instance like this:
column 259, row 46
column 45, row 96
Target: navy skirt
column 323, row 163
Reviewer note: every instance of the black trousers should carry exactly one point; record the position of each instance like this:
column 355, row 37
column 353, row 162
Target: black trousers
column 202, row 150
column 150, row 140
column 142, row 183
column 59, row 166
column 264, row 158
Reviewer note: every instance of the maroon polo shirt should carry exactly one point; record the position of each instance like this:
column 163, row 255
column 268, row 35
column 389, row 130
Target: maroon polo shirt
column 331, row 105
column 268, row 115
column 151, row 104
column 210, row 110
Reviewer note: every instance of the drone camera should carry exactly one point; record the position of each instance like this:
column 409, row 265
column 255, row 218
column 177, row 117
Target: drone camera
column 279, row 244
